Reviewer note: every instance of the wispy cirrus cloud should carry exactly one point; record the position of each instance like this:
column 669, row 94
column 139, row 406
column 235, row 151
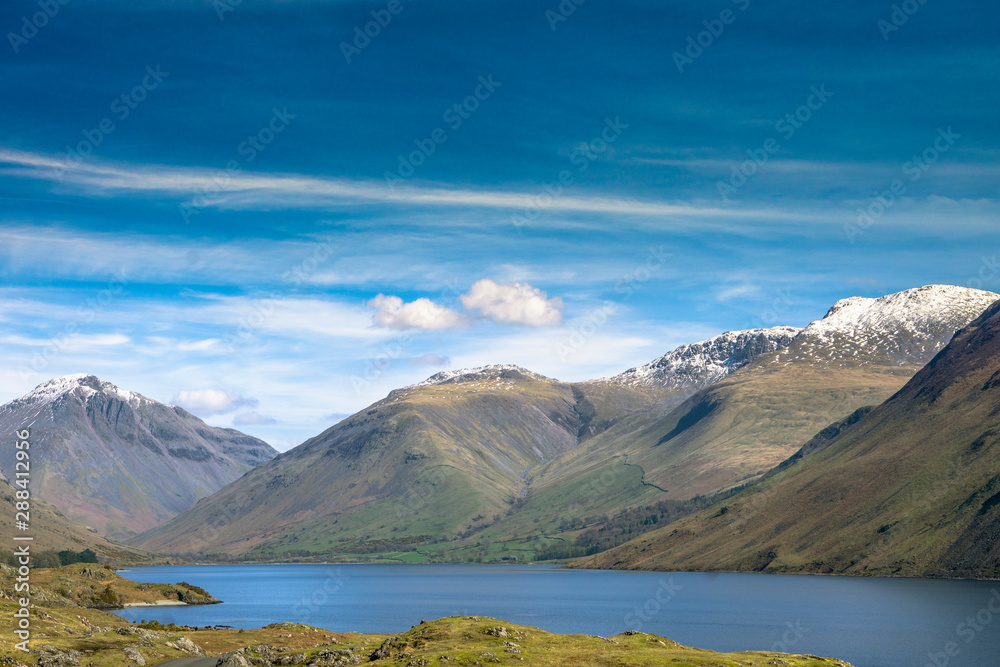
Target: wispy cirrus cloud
column 202, row 188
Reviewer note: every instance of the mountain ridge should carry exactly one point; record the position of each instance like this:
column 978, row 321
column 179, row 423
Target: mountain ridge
column 119, row 461
column 706, row 362
column 909, row 488
column 534, row 456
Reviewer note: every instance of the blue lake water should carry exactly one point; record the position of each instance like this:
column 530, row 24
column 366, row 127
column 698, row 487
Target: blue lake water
column 868, row 622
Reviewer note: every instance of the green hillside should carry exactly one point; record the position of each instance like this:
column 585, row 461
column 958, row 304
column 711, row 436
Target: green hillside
column 912, row 488
column 427, row 464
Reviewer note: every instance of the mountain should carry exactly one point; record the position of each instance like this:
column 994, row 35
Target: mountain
column 118, row 461
column 910, row 488
column 502, row 460
column 427, row 463
column 390, row 475
column 903, row 329
column 702, row 364
column 739, row 428
column 53, row 531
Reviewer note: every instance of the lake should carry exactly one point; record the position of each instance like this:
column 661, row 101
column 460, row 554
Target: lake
column 868, row 622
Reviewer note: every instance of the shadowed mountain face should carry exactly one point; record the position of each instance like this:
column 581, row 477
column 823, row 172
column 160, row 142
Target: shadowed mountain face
column 118, row 461
column 910, row 488
column 503, row 454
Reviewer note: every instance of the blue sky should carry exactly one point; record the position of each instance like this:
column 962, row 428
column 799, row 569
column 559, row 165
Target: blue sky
column 203, row 201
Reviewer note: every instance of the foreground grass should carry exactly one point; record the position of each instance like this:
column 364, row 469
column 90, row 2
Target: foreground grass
column 67, row 634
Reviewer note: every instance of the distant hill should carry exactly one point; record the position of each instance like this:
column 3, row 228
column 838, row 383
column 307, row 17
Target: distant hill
column 910, row 488
column 53, row 531
column 501, row 459
column 743, row 425
column 426, row 463
column 445, row 458
column 118, row 461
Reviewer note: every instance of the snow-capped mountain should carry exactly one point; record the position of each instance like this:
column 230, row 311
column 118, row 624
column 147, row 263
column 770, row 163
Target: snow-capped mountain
column 509, row 372
column 118, row 461
column 505, row 432
column 81, row 384
column 905, row 328
column 699, row 365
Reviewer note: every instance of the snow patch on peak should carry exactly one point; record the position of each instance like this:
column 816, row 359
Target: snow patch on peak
column 704, row 363
column 83, row 383
column 915, row 310
column 851, row 303
column 904, row 328
column 492, row 372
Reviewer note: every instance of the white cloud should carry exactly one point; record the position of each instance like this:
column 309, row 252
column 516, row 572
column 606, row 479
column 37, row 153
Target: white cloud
column 513, row 303
column 208, row 402
column 253, row 419
column 391, row 312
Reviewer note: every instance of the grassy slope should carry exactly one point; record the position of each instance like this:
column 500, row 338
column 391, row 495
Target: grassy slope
column 758, row 417
column 522, row 505
column 102, row 639
column 511, row 471
column 734, row 431
column 434, row 461
column 913, row 488
column 53, row 531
